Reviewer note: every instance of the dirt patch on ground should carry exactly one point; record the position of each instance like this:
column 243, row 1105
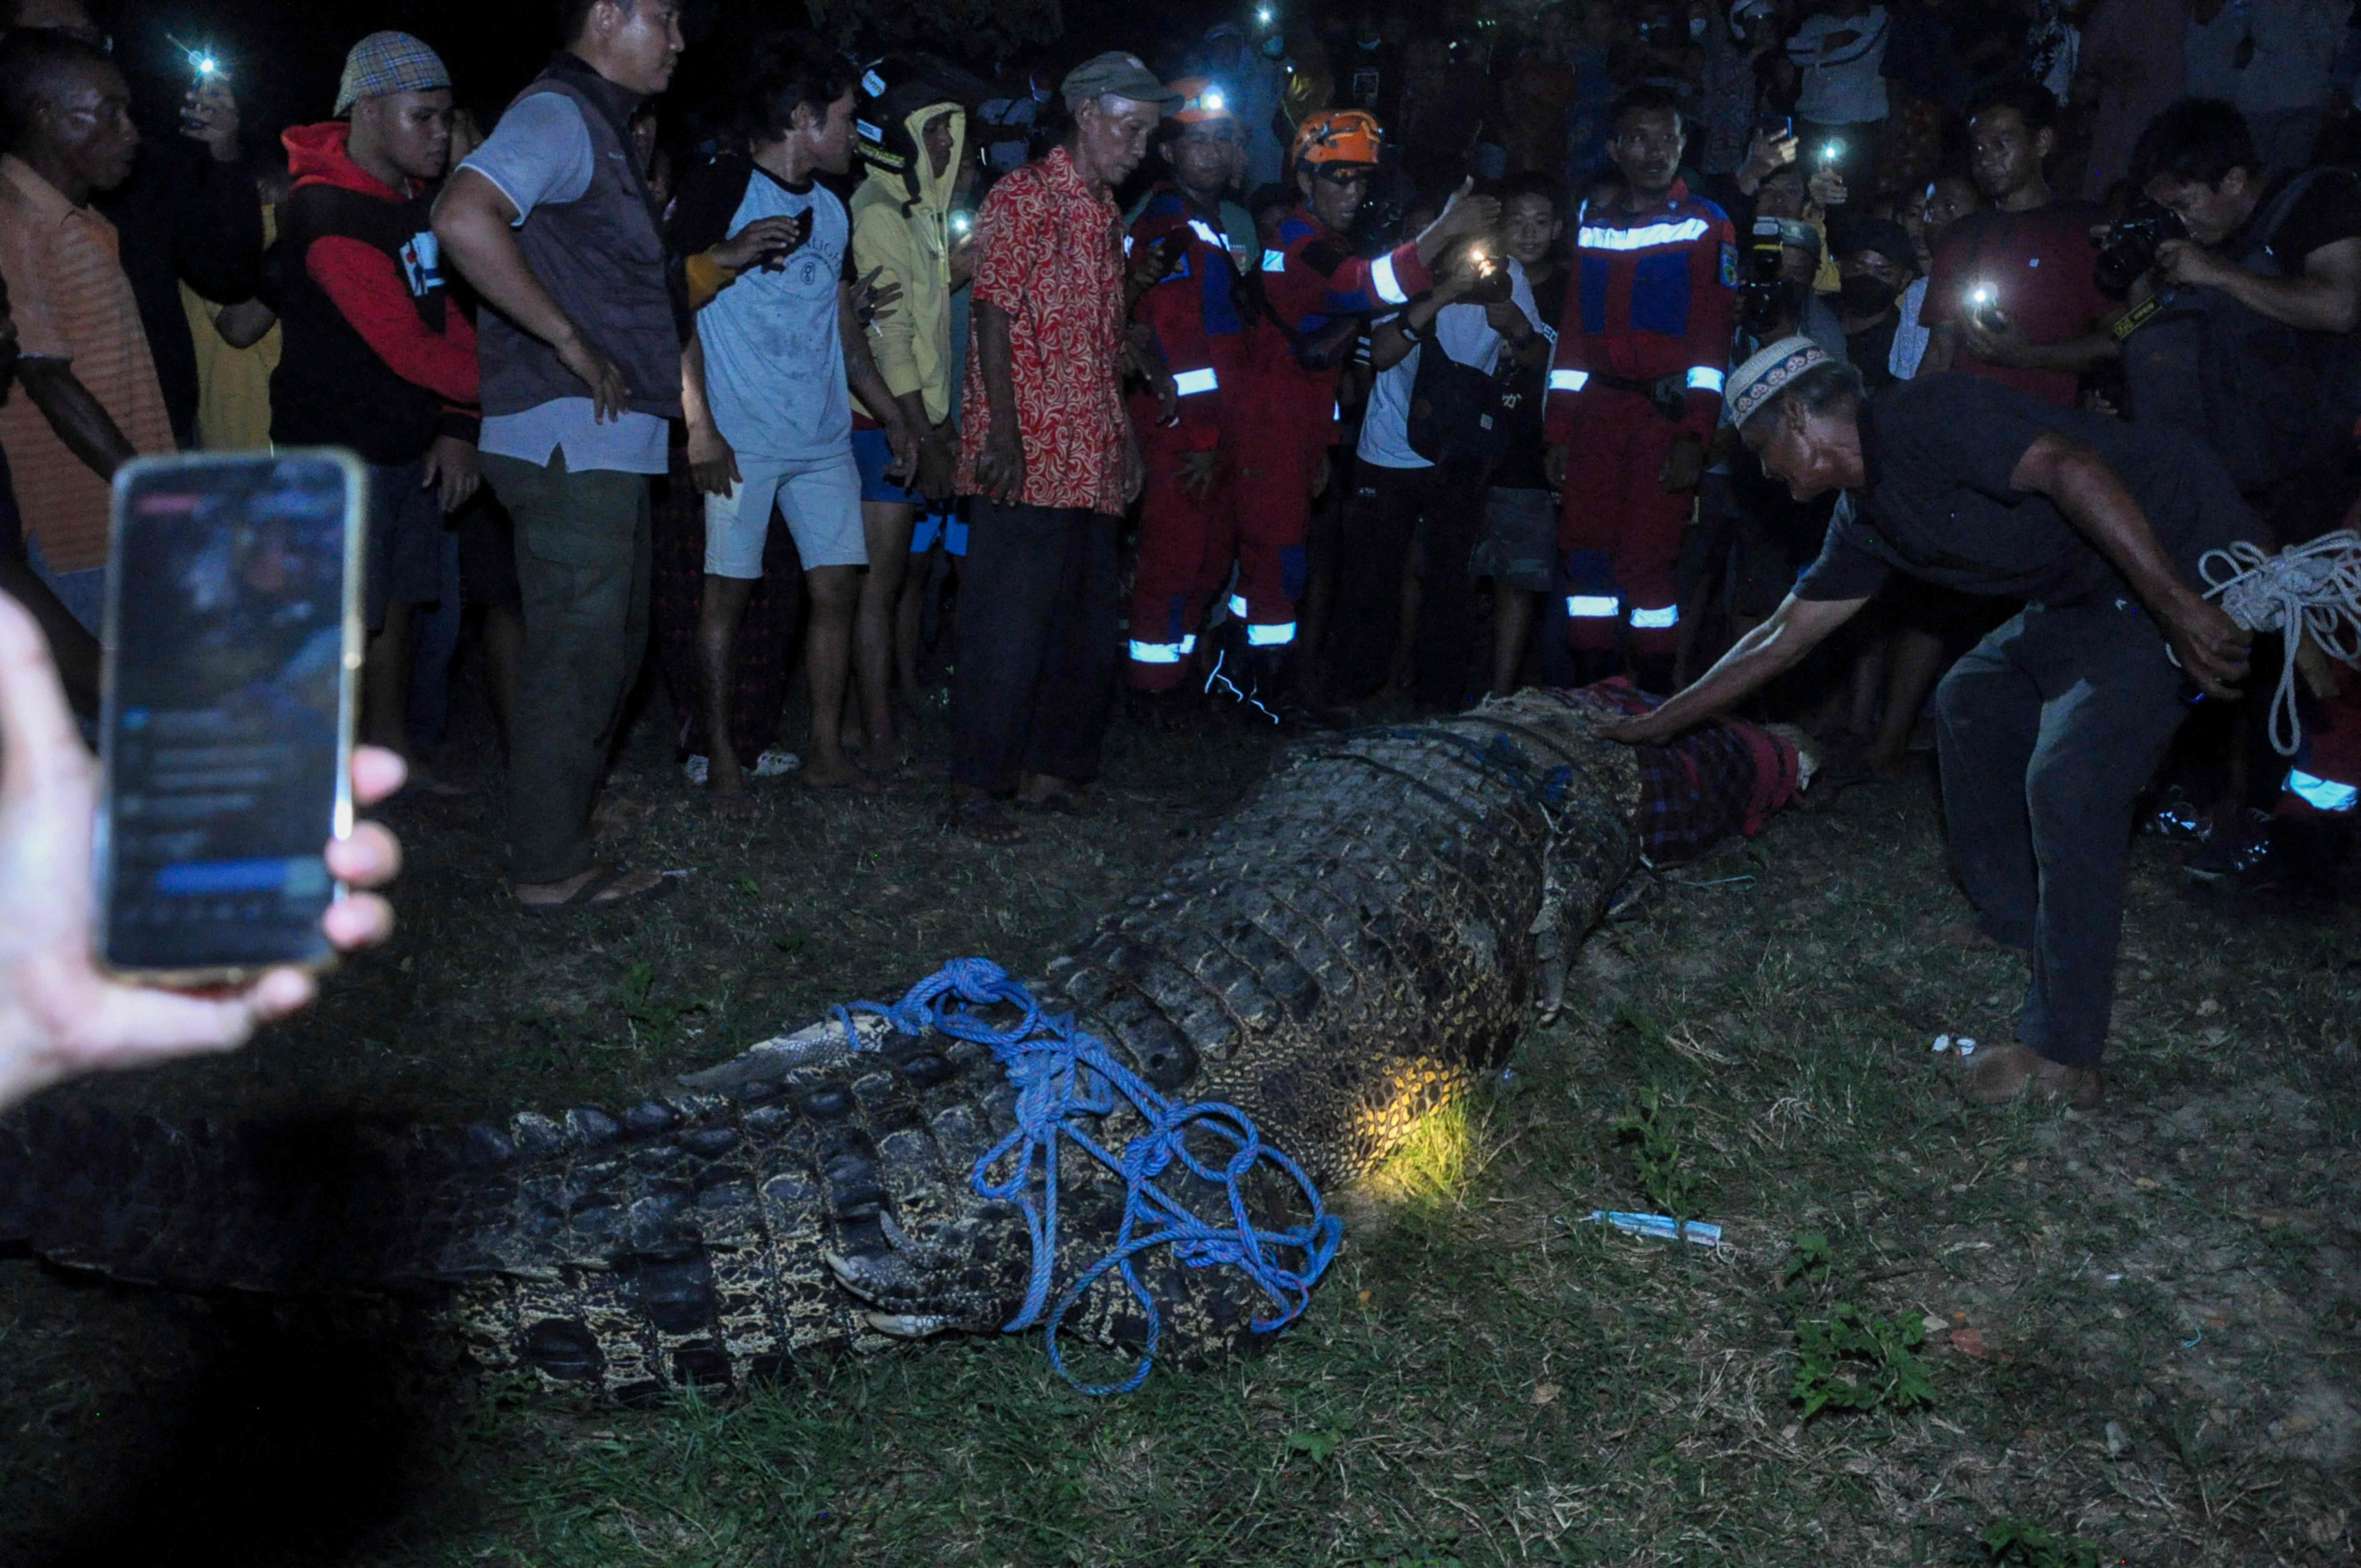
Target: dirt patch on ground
column 2140, row 1327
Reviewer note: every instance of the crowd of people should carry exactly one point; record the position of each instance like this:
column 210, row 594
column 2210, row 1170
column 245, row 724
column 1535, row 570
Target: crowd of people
column 1344, row 360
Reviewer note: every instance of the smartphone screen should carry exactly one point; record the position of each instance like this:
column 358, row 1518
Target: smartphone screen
column 232, row 637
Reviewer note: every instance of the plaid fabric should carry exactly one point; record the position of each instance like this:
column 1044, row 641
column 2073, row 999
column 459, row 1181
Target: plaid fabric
column 1718, row 779
column 389, row 62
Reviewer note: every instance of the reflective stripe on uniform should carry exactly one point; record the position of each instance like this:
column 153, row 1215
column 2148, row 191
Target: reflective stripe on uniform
column 1593, row 606
column 1642, row 238
column 1656, row 619
column 1274, row 261
column 1188, row 383
column 1238, row 606
column 1204, row 231
column 1270, row 636
column 1188, row 644
column 1704, row 379
column 2321, row 794
column 1390, row 289
column 1126, row 245
column 1156, row 653
column 1568, row 380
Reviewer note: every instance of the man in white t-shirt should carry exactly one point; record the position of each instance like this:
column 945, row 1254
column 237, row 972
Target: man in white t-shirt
column 1834, row 66
column 1397, row 491
column 769, row 418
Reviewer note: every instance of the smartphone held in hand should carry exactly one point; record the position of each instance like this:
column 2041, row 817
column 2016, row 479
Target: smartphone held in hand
column 233, row 641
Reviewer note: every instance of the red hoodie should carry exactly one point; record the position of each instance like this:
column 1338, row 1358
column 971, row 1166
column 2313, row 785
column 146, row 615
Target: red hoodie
column 369, row 287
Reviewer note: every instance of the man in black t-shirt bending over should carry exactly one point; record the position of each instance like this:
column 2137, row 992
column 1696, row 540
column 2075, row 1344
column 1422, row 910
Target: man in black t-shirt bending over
column 2053, row 725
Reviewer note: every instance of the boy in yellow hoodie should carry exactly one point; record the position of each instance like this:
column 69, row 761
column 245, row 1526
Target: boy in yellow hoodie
column 913, row 133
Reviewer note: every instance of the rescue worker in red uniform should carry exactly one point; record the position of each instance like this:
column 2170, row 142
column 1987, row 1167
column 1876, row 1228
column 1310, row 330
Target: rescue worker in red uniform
column 1200, row 317
column 1635, row 393
column 1315, row 293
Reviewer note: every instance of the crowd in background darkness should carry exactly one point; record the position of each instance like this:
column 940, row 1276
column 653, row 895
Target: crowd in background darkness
column 1294, row 368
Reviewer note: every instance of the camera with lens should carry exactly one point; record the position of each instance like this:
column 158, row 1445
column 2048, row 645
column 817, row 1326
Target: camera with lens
column 1766, row 299
column 2130, row 246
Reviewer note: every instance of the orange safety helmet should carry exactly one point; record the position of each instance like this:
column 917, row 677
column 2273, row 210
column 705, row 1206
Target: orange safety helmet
column 1340, row 137
column 1201, row 99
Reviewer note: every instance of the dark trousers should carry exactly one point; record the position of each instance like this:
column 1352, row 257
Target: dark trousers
column 2050, row 727
column 1039, row 653
column 1380, row 525
column 582, row 556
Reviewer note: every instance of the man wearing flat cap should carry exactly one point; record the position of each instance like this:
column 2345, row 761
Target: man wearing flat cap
column 2054, row 724
column 1050, row 457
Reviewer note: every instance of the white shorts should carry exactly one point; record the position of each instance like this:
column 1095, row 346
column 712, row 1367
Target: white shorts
column 822, row 503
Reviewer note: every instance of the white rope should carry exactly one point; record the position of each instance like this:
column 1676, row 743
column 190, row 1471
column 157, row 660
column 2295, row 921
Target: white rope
column 2313, row 589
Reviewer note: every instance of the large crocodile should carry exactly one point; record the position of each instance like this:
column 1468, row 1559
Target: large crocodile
column 1360, row 940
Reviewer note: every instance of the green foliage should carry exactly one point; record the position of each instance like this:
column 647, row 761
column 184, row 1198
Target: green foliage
column 1808, row 1258
column 2013, row 1543
column 1319, row 1443
column 1653, row 1131
column 637, row 994
column 1853, row 1361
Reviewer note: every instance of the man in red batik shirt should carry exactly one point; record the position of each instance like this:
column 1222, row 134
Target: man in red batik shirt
column 1049, row 456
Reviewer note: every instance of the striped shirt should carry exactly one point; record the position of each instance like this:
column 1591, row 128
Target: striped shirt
column 71, row 301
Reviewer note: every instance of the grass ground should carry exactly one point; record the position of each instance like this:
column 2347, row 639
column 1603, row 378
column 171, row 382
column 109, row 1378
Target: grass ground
column 2140, row 1331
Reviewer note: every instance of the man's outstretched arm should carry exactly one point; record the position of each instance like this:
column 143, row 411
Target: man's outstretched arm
column 1755, row 660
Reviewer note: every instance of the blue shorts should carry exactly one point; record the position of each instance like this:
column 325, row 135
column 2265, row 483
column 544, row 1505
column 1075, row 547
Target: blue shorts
column 875, row 455
column 945, row 525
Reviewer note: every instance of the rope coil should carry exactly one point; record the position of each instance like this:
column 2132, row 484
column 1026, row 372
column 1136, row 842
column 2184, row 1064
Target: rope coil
column 2313, row 589
column 1063, row 1077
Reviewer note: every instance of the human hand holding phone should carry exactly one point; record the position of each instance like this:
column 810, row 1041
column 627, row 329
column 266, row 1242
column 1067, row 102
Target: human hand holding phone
column 59, row 1016
column 208, row 115
column 765, row 242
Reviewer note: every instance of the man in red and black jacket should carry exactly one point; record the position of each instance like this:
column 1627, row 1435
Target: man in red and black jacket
column 377, row 356
column 1199, row 317
column 1635, row 393
column 1316, row 292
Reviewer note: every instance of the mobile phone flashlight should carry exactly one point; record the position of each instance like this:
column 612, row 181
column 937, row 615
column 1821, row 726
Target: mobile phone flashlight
column 1981, row 296
column 203, row 64
column 1213, row 102
column 1264, row 15
column 1831, row 152
column 962, row 225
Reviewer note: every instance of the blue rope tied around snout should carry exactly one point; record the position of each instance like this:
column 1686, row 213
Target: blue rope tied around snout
column 1501, row 758
column 1066, row 1079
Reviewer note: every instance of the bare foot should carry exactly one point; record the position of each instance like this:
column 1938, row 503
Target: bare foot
column 1969, row 937
column 837, row 772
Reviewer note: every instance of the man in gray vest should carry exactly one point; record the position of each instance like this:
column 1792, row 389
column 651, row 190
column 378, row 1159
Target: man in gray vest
column 552, row 222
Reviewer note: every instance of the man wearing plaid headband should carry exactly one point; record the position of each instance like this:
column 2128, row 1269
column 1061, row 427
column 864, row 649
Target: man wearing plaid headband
column 2052, row 726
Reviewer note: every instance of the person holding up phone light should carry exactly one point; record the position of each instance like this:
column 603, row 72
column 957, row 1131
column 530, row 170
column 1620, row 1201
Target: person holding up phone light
column 59, row 1016
column 2013, row 298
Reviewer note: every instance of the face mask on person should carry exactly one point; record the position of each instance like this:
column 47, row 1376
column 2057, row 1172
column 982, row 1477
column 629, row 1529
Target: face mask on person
column 1866, row 296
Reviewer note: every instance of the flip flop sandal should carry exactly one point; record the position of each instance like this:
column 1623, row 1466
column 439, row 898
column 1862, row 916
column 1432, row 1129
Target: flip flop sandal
column 1070, row 802
column 983, row 819
column 587, row 896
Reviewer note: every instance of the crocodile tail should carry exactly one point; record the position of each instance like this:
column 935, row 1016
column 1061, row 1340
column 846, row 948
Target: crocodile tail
column 293, row 1207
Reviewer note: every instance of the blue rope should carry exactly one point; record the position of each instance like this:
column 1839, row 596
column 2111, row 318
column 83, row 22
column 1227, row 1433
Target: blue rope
column 1502, row 758
column 1064, row 1078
